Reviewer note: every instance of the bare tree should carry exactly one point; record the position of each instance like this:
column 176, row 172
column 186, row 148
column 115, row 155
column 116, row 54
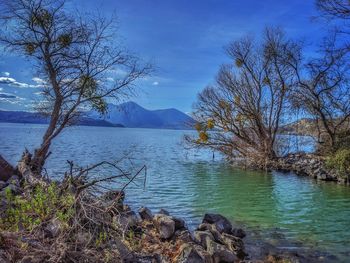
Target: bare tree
column 324, row 92
column 75, row 56
column 334, row 9
column 241, row 114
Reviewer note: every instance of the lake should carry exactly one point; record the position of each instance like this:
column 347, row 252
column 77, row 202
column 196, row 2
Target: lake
column 297, row 213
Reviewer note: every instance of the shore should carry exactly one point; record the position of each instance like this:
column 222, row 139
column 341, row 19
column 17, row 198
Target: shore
column 140, row 236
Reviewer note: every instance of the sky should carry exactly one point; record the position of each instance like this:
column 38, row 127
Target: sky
column 184, row 40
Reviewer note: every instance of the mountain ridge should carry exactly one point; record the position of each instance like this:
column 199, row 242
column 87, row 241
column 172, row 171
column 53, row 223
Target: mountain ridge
column 128, row 114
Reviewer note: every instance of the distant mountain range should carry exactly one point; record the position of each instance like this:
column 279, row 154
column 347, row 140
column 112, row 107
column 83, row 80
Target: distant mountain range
column 33, row 117
column 133, row 115
column 127, row 114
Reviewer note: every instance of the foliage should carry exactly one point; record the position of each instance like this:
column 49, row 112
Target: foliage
column 340, row 161
column 41, row 204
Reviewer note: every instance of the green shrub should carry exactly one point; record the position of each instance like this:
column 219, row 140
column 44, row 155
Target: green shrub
column 41, row 204
column 340, row 161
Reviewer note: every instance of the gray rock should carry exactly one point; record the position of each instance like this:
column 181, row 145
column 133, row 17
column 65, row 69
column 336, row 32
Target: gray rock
column 202, row 238
column 184, row 235
column 128, row 219
column 238, row 232
column 163, row 212
column 234, row 244
column 223, row 225
column 145, row 214
column 179, row 223
column 220, row 253
column 193, row 254
column 165, row 225
column 212, row 229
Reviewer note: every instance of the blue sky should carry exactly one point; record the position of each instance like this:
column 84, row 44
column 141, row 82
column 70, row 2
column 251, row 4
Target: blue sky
column 183, row 38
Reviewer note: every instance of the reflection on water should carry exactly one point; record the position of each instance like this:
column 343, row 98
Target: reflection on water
column 189, row 183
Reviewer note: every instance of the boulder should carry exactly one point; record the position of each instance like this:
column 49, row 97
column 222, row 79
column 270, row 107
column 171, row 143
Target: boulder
column 164, row 212
column 220, row 253
column 6, row 169
column 223, row 225
column 193, row 254
column 212, row 229
column 179, row 223
column 234, row 244
column 145, row 214
column 238, row 232
column 128, row 219
column 183, row 235
column 202, row 237
column 165, row 225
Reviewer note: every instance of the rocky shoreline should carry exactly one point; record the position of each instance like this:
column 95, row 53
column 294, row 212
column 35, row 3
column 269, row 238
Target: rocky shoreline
column 144, row 237
column 311, row 165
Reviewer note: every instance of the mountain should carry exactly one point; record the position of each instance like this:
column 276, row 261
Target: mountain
column 132, row 115
column 33, row 117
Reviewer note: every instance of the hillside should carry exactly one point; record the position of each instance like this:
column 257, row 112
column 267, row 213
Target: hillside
column 132, row 115
column 33, row 117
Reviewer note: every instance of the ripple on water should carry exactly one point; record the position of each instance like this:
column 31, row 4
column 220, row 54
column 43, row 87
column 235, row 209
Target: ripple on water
column 188, row 183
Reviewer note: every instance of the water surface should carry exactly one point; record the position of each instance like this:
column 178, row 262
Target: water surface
column 188, row 183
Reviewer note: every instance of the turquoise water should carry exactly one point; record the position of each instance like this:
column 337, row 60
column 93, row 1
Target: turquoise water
column 188, row 183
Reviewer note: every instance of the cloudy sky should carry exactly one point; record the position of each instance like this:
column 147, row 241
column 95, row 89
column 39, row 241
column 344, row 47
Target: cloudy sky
column 184, row 40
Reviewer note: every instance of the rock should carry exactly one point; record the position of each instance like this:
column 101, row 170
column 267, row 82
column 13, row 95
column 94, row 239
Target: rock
column 234, row 244
column 212, row 229
column 202, row 238
column 165, row 225
column 179, row 223
column 193, row 254
column 163, row 212
column 53, row 228
column 238, row 232
column 6, row 169
column 183, row 235
column 145, row 214
column 128, row 219
column 223, row 225
column 220, row 253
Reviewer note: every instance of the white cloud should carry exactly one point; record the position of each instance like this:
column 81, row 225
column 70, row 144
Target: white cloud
column 155, row 83
column 12, row 82
column 38, row 80
column 110, row 79
column 6, row 73
column 1, row 89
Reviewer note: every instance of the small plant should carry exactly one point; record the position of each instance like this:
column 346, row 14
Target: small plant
column 340, row 161
column 41, row 204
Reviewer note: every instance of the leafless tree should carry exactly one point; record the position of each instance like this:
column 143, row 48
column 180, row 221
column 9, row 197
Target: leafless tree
column 241, row 114
column 75, row 56
column 324, row 92
column 334, row 9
